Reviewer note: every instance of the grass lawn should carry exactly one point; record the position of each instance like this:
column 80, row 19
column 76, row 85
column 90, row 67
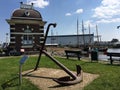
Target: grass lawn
column 9, row 67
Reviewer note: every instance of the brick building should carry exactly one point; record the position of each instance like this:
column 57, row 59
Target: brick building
column 26, row 28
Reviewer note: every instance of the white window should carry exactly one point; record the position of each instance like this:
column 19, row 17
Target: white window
column 27, row 39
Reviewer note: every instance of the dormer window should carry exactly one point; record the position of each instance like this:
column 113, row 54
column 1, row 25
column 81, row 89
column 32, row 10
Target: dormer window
column 27, row 13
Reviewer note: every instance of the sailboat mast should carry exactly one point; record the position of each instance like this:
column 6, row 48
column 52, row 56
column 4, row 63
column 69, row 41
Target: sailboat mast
column 83, row 33
column 89, row 34
column 77, row 33
column 97, row 34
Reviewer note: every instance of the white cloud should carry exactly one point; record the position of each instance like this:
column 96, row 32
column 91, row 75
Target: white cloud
column 39, row 3
column 107, row 9
column 109, row 20
column 68, row 14
column 90, row 22
column 79, row 11
column 107, row 12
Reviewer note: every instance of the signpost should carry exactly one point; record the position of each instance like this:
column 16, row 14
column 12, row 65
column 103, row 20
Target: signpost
column 22, row 61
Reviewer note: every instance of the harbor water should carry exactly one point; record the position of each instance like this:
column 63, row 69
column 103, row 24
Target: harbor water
column 102, row 56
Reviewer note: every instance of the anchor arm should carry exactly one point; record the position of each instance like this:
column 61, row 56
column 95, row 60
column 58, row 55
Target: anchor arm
column 67, row 80
column 60, row 65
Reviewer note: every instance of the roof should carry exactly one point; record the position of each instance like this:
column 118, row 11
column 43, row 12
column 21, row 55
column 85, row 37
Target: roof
column 26, row 11
column 71, row 35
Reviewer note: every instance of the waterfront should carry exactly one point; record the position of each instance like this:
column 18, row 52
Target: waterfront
column 102, row 56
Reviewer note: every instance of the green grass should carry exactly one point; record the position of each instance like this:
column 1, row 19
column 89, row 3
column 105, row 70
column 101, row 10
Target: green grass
column 9, row 67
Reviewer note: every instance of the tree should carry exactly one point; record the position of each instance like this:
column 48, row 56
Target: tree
column 114, row 40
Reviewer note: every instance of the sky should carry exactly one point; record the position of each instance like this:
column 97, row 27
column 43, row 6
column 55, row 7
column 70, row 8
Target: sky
column 103, row 13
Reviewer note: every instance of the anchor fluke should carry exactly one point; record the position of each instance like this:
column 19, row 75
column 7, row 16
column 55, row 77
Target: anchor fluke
column 79, row 70
column 67, row 80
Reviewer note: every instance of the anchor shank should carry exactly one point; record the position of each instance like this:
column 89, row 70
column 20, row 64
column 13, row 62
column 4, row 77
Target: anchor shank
column 43, row 44
column 61, row 65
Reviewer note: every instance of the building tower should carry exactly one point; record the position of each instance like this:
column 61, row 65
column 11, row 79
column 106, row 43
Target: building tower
column 26, row 28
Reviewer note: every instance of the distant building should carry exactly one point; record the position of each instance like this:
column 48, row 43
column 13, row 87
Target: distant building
column 26, row 28
column 70, row 40
column 0, row 45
